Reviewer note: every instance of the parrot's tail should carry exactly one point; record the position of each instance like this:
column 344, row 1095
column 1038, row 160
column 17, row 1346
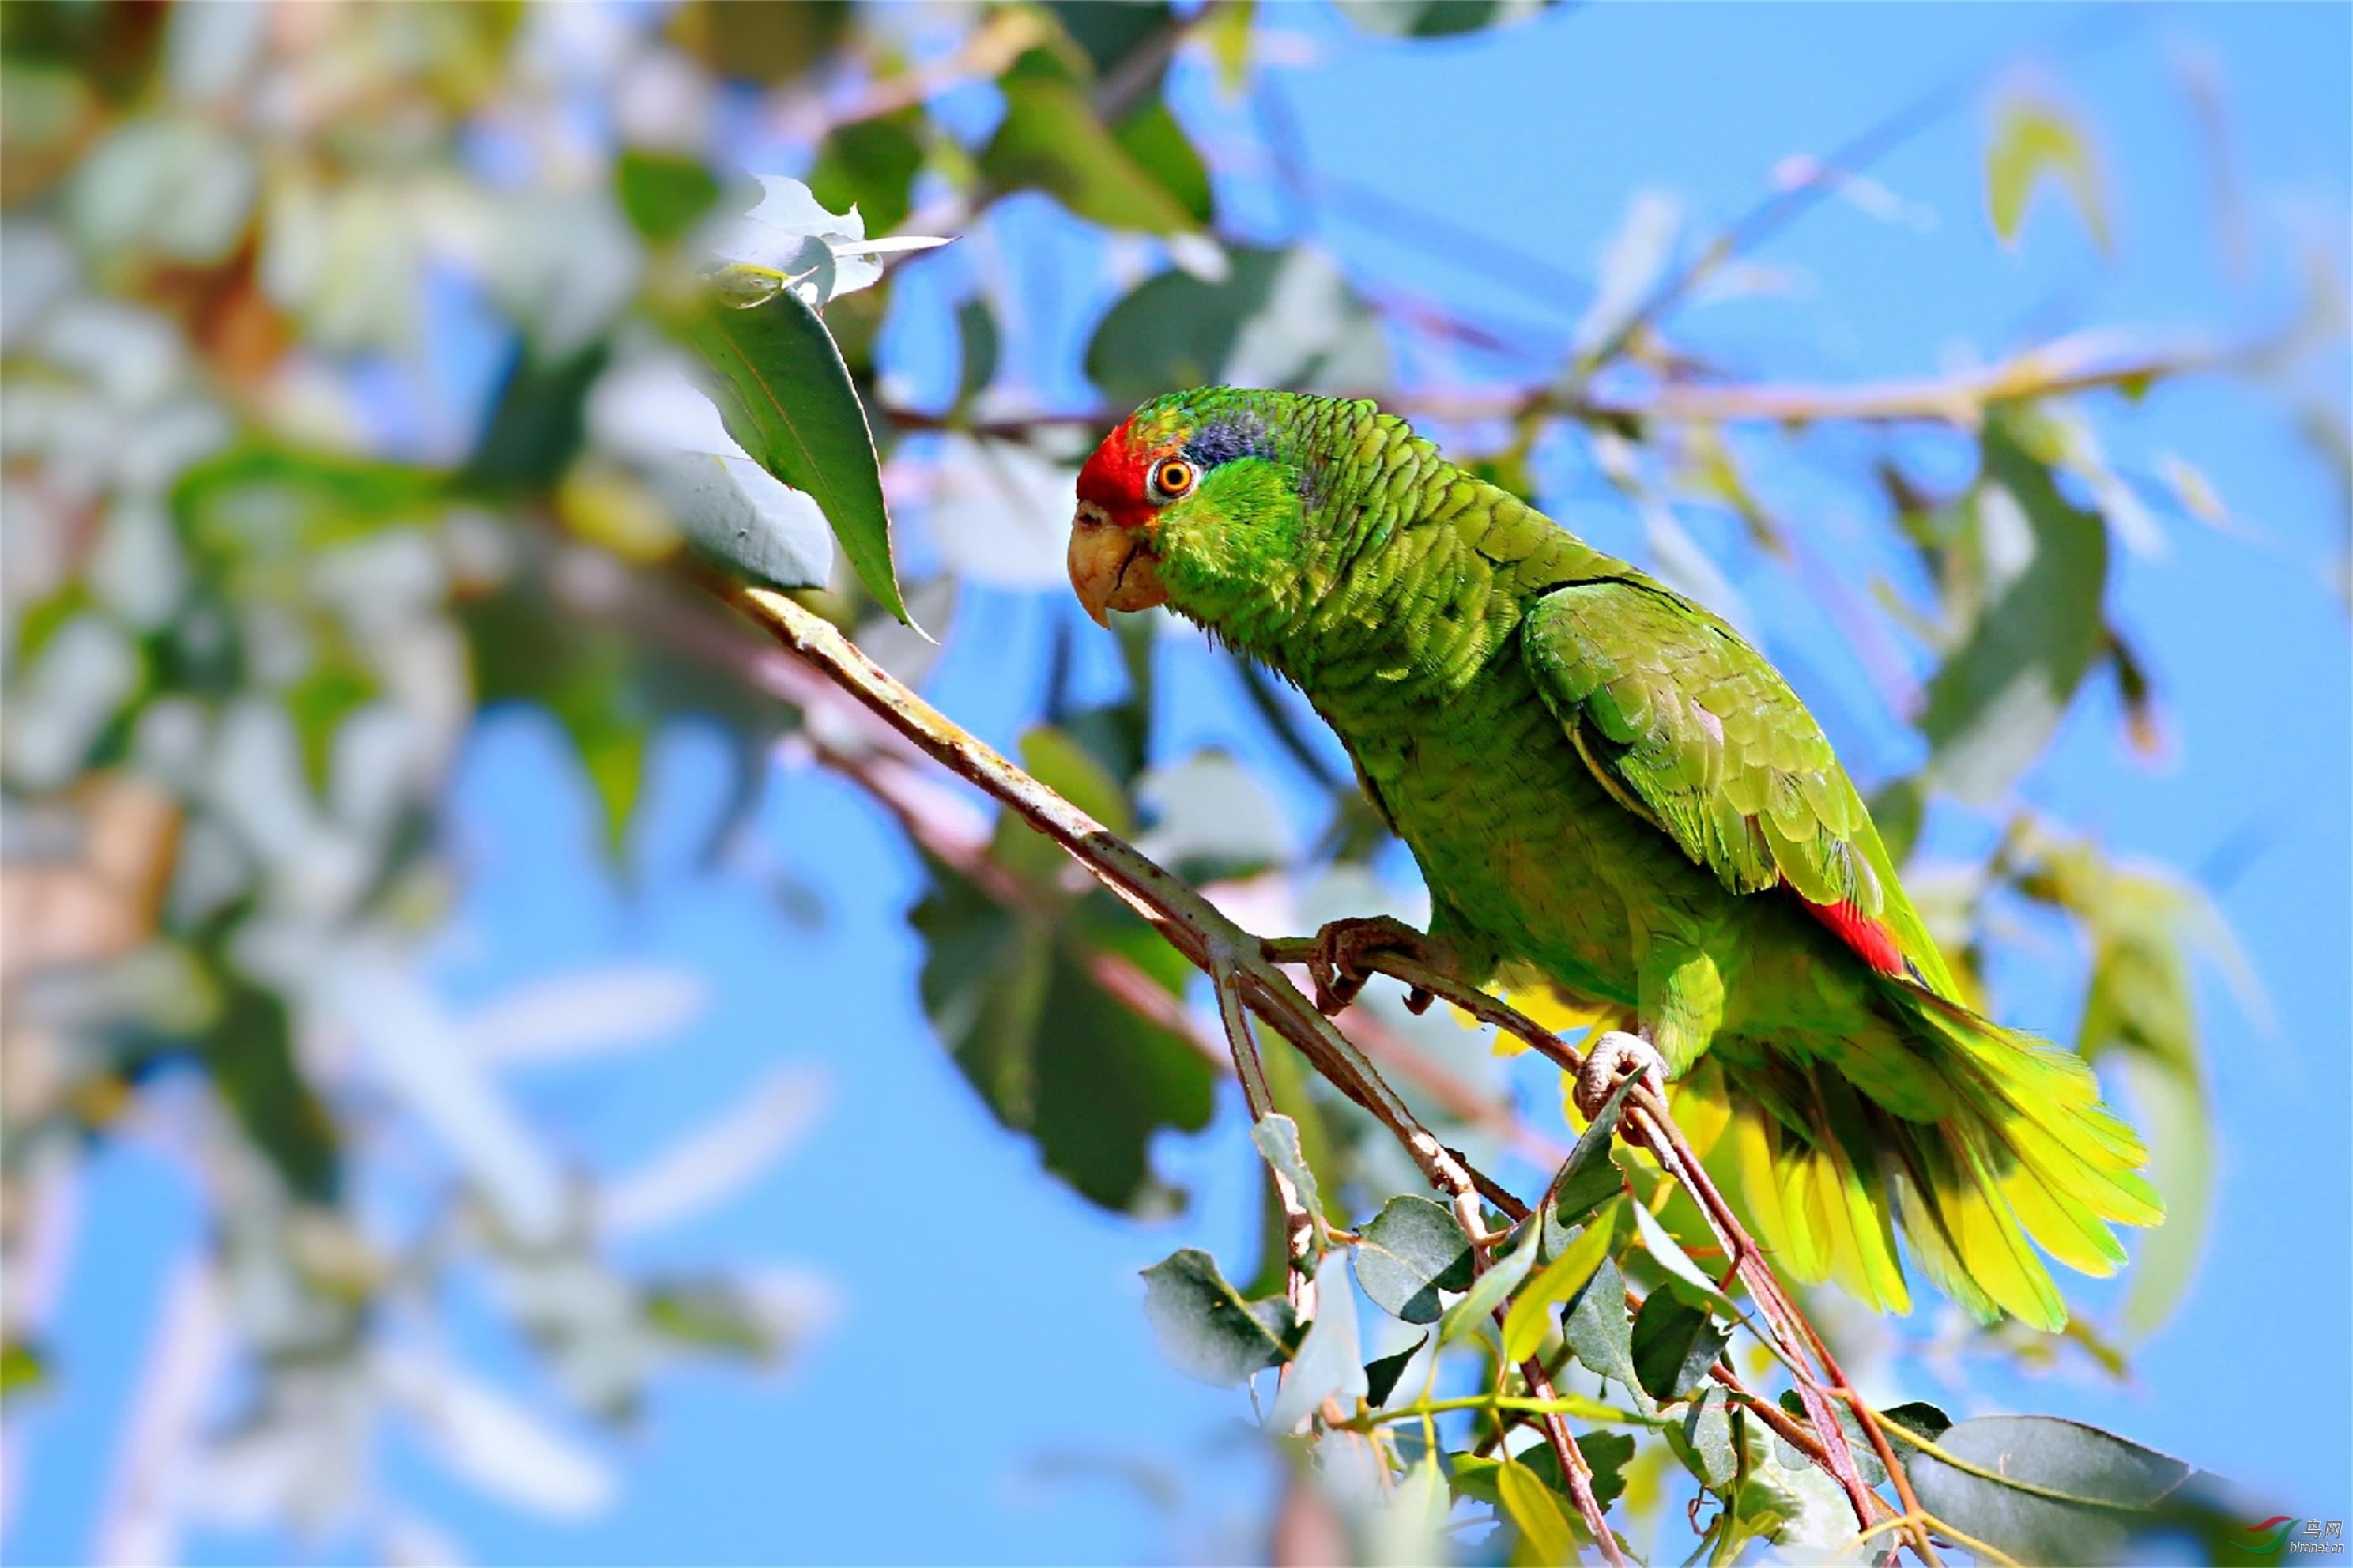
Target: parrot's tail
column 2024, row 1151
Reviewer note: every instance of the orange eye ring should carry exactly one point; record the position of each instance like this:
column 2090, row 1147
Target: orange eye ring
column 1174, row 476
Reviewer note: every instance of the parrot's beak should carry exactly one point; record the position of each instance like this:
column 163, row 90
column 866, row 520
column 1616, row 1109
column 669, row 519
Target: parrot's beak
column 1111, row 568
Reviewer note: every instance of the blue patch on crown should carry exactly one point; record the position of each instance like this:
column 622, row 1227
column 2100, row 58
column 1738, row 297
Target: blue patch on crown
column 1243, row 433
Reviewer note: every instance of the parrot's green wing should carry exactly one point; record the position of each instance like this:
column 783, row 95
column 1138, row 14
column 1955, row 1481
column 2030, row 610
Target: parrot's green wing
column 1687, row 725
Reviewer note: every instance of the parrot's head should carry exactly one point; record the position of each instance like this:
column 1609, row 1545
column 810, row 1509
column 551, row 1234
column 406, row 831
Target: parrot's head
column 1196, row 502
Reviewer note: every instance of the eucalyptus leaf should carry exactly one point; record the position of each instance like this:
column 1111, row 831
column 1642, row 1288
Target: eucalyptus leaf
column 1205, row 1326
column 1489, row 1289
column 1531, row 1314
column 1674, row 1344
column 2048, row 1490
column 1412, row 1250
column 786, row 398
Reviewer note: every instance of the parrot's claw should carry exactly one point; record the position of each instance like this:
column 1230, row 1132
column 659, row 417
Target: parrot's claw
column 1609, row 1060
column 1338, row 967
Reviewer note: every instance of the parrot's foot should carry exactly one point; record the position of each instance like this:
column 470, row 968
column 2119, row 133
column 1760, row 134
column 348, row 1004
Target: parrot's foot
column 1609, row 1060
column 1338, row 966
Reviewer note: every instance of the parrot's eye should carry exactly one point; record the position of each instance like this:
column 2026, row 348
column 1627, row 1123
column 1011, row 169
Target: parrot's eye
column 1174, row 476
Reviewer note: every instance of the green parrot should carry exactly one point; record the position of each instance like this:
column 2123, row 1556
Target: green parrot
column 1610, row 794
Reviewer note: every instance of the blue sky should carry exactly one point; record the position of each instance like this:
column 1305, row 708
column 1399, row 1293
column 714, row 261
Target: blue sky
column 988, row 1392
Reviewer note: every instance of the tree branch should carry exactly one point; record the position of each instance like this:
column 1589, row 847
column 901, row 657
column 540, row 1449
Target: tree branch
column 1243, row 970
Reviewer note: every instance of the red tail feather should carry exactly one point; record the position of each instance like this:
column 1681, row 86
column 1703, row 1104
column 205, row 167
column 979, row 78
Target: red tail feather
column 1872, row 942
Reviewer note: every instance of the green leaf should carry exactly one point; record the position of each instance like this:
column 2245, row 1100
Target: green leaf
column 1489, row 1290
column 2002, row 693
column 1918, row 1415
column 1669, row 1255
column 23, row 1369
column 1599, row 1333
column 1866, row 1457
column 1435, row 18
column 1207, row 1329
column 1051, row 140
column 710, row 1315
column 1674, row 1344
column 1535, row 1508
column 664, row 192
column 975, row 349
column 871, row 165
column 1564, row 1276
column 1015, row 998
column 1278, row 317
column 1153, row 137
column 1381, row 1376
column 1108, row 33
column 248, row 1049
column 1606, row 1453
column 1707, row 1429
column 788, row 400
column 1411, row 1251
column 1277, row 1138
column 2035, row 141
column 2047, row 1491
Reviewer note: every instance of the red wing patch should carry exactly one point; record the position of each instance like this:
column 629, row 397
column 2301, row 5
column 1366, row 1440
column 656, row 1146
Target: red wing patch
column 1872, row 942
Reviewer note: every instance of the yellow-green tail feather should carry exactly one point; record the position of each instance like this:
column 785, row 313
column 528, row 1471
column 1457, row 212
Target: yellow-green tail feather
column 2026, row 1157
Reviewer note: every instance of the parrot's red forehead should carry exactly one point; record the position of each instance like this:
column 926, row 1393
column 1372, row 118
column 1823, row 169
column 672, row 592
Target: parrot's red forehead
column 1113, row 476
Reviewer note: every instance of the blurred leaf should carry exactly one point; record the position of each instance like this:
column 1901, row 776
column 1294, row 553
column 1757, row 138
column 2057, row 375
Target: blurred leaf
column 23, row 1370
column 1674, row 1344
column 975, row 350
column 1381, row 1376
column 330, row 691
column 492, row 1440
column 1436, row 18
column 1153, row 137
column 2002, row 693
column 1327, row 1364
column 1013, row 994
column 781, row 387
column 2047, row 1491
column 2173, row 1113
column 1210, row 1332
column 525, row 648
column 1108, row 31
column 1279, row 317
column 1531, row 1314
column 535, row 426
column 871, row 165
column 1049, row 139
column 1227, row 31
column 248, row 1049
column 1410, row 1252
column 759, row 43
column 2033, row 140
column 664, row 192
column 708, row 1315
